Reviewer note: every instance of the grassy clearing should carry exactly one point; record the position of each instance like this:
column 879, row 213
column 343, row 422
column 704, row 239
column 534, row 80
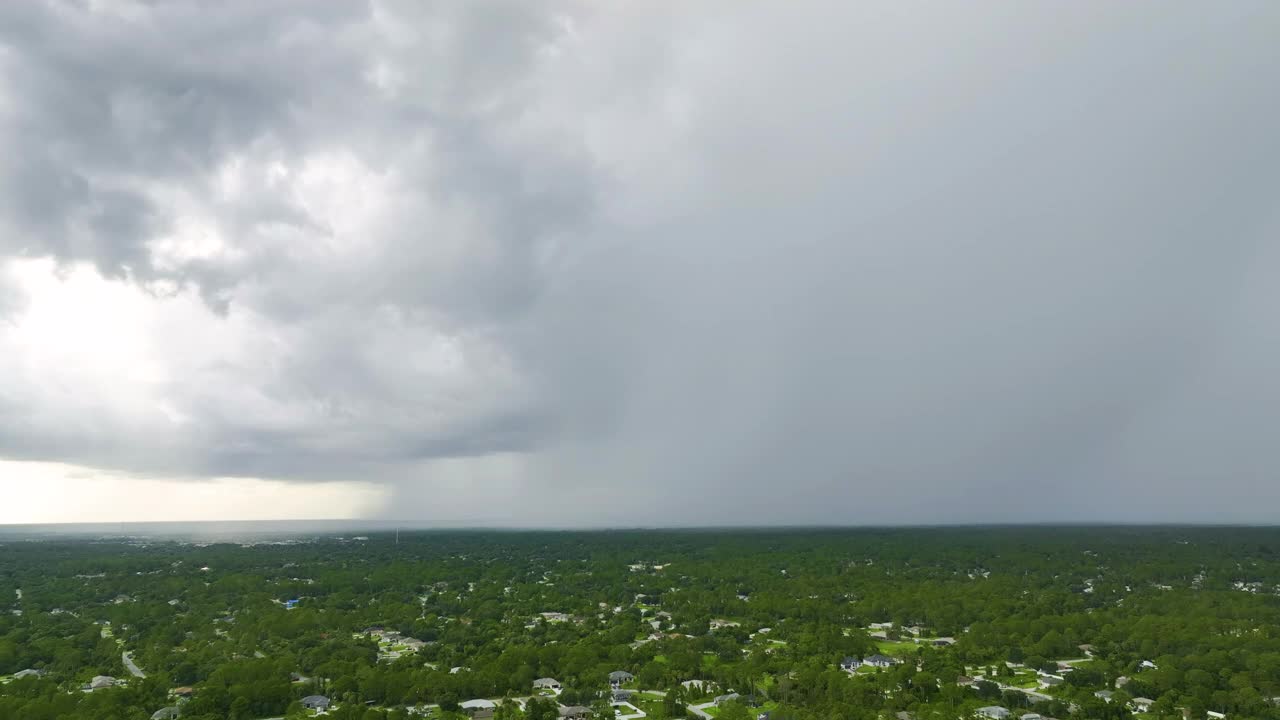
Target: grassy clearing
column 647, row 704
column 897, row 647
column 1026, row 682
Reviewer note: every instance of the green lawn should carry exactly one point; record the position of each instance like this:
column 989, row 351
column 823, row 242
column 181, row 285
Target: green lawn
column 650, row 705
column 1024, row 681
column 897, row 647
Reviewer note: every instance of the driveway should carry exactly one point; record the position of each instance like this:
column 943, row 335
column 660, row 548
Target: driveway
column 129, row 664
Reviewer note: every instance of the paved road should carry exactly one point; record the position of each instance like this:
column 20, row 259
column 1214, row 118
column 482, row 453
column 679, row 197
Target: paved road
column 133, row 669
column 701, row 710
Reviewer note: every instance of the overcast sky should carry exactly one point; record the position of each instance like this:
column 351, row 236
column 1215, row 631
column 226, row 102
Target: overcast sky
column 640, row 263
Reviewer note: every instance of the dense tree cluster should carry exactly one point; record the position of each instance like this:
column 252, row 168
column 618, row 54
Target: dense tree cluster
column 1200, row 605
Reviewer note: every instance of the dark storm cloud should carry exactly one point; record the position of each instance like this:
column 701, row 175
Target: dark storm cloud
column 713, row 264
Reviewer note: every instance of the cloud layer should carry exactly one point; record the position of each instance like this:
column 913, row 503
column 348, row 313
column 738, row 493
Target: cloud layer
column 637, row 263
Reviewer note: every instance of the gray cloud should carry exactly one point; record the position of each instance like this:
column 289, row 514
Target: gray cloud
column 720, row 264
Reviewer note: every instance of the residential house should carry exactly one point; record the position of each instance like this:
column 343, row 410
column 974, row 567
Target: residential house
column 699, row 684
column 574, row 712
column 1215, row 715
column 621, row 695
column 879, row 661
column 1031, row 716
column 1147, row 665
column 1141, row 704
column 1104, row 695
column 964, row 680
column 182, row 692
column 168, row 713
column 1050, row 680
column 995, row 712
column 722, row 699
column 315, row 702
column 102, row 682
column 849, row 664
column 471, row 706
column 546, row 684
column 618, row 677
column 943, row 641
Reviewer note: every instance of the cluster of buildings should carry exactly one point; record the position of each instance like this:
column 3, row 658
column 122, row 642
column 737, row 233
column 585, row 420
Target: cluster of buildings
column 392, row 644
column 851, row 664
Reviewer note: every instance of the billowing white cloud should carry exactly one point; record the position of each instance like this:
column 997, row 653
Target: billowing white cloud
column 644, row 263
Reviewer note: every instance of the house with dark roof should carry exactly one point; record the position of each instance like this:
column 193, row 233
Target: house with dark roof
column 880, row 661
column 618, row 677
column 849, row 664
column 315, row 702
column 168, row 713
column 574, row 712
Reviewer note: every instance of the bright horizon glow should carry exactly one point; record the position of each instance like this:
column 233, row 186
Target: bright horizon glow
column 45, row 493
